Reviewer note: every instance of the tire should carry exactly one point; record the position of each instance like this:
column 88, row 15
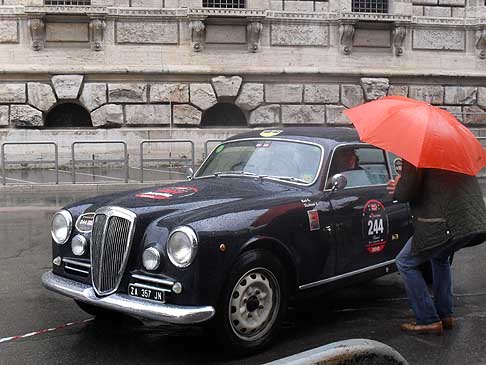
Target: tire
column 252, row 304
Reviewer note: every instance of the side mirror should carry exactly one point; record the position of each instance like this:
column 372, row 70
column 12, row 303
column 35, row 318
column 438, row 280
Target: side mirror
column 190, row 173
column 397, row 165
column 339, row 182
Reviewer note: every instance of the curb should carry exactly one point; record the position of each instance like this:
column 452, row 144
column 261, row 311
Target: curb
column 354, row 351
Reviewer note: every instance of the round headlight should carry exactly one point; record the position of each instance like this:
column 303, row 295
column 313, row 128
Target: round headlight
column 61, row 226
column 79, row 244
column 182, row 246
column 151, row 258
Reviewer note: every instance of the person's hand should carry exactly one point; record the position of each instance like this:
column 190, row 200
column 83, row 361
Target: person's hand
column 392, row 184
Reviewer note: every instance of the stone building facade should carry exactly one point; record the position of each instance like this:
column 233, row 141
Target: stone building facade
column 136, row 69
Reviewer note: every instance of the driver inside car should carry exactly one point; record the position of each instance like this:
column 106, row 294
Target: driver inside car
column 343, row 160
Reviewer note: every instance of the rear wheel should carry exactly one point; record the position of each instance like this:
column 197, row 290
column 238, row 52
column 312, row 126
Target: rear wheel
column 253, row 303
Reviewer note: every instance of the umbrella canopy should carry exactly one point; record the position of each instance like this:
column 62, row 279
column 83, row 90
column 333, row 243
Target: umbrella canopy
column 422, row 134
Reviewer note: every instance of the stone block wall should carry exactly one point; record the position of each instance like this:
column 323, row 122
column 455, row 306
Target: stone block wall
column 161, row 65
column 112, row 39
column 431, row 8
column 183, row 103
column 300, row 5
column 293, row 5
column 138, row 110
column 439, row 8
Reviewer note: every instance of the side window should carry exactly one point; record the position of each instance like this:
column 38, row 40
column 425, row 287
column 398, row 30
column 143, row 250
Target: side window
column 361, row 166
column 372, row 160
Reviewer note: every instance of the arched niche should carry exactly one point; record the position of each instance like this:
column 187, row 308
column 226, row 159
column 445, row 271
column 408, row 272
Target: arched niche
column 68, row 115
column 224, row 115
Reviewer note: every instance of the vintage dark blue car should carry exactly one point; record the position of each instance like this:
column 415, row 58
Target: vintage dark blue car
column 269, row 216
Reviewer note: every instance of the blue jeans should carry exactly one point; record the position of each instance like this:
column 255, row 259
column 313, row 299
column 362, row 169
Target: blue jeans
column 425, row 309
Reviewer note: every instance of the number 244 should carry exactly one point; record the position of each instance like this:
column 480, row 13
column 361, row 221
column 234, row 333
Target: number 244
column 375, row 226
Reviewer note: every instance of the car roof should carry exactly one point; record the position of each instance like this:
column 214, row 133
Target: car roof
column 322, row 135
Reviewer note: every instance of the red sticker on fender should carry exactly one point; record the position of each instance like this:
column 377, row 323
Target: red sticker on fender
column 167, row 193
column 375, row 226
column 314, row 224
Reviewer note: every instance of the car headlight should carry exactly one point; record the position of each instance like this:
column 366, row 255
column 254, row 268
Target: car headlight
column 61, row 226
column 182, row 246
column 151, row 258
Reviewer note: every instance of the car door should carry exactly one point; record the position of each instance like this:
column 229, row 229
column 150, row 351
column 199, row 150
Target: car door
column 370, row 227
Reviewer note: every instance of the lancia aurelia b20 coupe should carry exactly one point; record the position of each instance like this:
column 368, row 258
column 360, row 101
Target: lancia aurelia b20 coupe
column 269, row 215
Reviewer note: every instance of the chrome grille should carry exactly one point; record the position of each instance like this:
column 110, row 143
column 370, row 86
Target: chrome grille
column 111, row 240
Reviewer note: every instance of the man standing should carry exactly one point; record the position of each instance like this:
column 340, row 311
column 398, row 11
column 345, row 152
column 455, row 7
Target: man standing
column 449, row 214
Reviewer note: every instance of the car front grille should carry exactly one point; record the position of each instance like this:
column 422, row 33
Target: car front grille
column 111, row 239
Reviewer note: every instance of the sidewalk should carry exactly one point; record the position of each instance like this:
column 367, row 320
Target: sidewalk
column 52, row 195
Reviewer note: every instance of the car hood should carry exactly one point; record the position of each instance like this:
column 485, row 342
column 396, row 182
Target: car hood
column 195, row 196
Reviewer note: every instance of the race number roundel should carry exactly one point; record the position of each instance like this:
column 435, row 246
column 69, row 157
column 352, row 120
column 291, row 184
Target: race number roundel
column 375, row 226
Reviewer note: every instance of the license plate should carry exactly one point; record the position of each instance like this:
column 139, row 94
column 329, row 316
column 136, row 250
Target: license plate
column 152, row 294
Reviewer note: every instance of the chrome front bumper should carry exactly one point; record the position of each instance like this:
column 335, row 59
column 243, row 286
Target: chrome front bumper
column 127, row 304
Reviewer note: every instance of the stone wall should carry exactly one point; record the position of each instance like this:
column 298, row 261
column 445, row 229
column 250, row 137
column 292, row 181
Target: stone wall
column 67, row 39
column 439, row 8
column 294, row 5
column 183, row 103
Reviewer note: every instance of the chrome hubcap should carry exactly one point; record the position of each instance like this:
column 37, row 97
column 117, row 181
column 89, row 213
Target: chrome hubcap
column 254, row 304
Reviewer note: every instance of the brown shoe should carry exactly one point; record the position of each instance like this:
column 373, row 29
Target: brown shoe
column 447, row 323
column 423, row 328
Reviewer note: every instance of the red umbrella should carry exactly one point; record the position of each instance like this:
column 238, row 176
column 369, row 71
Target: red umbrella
column 422, row 134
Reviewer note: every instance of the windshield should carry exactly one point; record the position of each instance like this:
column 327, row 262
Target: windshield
column 285, row 160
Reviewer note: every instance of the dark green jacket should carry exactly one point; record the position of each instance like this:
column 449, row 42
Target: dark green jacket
column 444, row 205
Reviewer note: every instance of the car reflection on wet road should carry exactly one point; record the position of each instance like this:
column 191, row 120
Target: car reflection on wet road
column 373, row 311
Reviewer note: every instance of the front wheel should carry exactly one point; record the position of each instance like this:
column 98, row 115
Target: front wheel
column 253, row 303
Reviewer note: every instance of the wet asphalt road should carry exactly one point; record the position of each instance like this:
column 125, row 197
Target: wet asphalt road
column 374, row 310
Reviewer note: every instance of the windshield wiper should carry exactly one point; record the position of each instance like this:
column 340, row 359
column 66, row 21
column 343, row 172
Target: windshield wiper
column 289, row 178
column 238, row 172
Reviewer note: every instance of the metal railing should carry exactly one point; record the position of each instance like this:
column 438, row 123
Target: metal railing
column 124, row 160
column 11, row 162
column 206, row 145
column 172, row 162
column 170, row 159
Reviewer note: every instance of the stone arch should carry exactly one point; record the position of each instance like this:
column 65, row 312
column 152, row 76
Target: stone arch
column 68, row 115
column 224, row 115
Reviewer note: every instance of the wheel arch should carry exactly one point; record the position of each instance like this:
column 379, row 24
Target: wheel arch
column 282, row 252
